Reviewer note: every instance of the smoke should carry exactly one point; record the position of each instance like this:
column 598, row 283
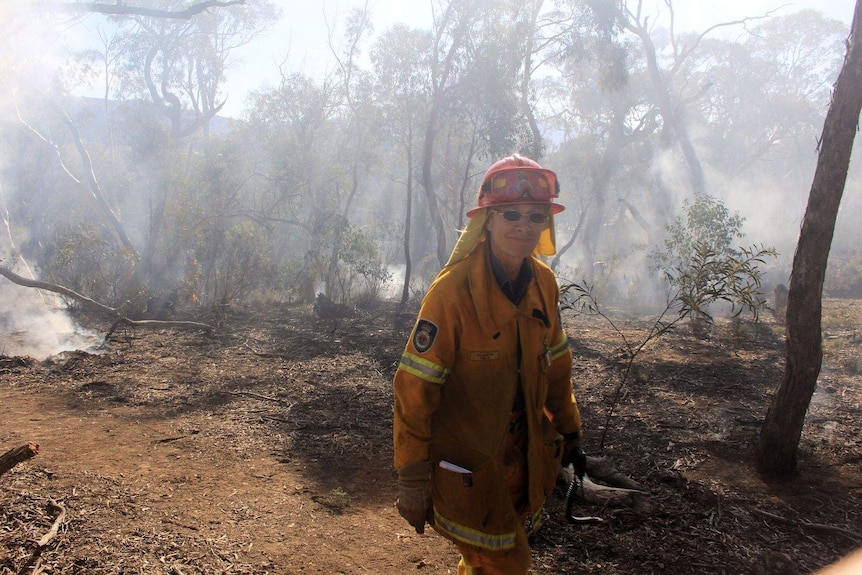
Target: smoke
column 33, row 324
column 772, row 214
column 620, row 270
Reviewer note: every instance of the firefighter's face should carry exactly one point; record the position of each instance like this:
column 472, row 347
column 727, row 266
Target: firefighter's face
column 515, row 229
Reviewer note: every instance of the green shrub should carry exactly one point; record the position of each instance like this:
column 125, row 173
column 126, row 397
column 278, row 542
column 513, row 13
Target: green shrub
column 701, row 267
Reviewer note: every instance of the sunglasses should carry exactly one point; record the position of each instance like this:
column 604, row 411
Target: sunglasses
column 533, row 184
column 515, row 216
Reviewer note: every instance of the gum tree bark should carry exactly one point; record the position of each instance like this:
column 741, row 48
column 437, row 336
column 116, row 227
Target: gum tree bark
column 779, row 438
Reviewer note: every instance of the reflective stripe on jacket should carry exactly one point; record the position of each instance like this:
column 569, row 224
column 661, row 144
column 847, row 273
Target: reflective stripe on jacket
column 455, row 387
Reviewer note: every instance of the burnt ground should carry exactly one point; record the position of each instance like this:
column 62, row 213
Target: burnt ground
column 267, row 449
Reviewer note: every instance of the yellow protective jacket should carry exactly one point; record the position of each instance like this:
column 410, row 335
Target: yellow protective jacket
column 454, row 390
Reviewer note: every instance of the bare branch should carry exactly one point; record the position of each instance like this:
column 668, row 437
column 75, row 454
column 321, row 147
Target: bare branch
column 124, row 10
column 854, row 536
column 82, row 299
column 743, row 22
column 89, row 180
column 55, row 527
column 159, row 323
column 99, row 307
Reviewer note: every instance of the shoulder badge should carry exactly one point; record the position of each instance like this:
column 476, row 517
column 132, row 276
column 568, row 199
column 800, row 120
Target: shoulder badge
column 424, row 335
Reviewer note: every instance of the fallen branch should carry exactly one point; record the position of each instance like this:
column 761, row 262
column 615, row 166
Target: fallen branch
column 169, row 439
column 158, row 323
column 46, row 538
column 259, row 396
column 17, row 455
column 852, row 535
column 97, row 307
column 599, row 494
column 588, row 491
column 606, row 471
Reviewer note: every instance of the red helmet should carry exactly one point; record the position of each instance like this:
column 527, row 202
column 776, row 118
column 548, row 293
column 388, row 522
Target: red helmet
column 517, row 180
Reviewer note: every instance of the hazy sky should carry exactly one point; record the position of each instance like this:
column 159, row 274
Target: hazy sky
column 299, row 40
column 301, row 36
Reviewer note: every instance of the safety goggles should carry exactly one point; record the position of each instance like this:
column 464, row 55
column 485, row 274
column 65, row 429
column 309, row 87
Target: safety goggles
column 515, row 216
column 536, row 185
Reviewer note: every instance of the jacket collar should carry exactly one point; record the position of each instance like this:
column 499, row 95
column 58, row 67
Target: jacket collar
column 493, row 308
column 513, row 289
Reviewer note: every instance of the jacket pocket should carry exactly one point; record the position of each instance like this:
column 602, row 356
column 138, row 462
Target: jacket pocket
column 478, row 502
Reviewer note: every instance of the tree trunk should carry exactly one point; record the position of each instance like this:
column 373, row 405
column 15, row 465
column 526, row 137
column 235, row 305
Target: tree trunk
column 607, row 167
column 536, row 146
column 408, row 263
column 89, row 181
column 428, row 186
column 671, row 110
column 779, row 438
column 444, row 78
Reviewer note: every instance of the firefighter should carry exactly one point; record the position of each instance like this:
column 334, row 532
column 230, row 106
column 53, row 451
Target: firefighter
column 484, row 407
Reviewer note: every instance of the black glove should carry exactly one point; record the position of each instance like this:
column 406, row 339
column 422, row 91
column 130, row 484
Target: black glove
column 414, row 495
column 573, row 454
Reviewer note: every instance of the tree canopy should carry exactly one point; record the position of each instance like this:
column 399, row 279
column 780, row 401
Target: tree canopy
column 354, row 180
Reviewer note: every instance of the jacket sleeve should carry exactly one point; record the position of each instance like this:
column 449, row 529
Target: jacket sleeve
column 422, row 371
column 561, row 406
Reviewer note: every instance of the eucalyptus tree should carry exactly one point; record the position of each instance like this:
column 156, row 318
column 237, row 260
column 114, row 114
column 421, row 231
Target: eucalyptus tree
column 599, row 102
column 782, row 429
column 354, row 155
column 140, row 182
column 758, row 123
column 451, row 125
column 172, row 74
column 476, row 54
column 456, row 23
column 310, row 181
column 768, row 94
column 485, row 118
column 289, row 133
column 532, row 48
column 180, row 64
column 777, row 71
column 666, row 58
column 642, row 94
column 402, row 89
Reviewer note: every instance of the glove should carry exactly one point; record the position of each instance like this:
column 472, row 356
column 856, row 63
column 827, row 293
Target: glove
column 573, row 454
column 414, row 495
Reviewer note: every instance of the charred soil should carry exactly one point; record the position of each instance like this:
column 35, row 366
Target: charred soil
column 267, row 449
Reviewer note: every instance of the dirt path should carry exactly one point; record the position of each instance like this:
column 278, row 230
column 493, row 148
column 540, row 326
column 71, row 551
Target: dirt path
column 182, row 482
